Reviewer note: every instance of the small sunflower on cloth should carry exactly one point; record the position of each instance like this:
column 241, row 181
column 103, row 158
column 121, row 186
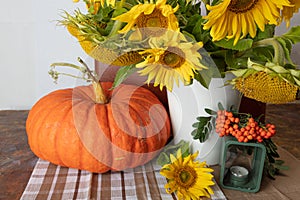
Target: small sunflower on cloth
column 187, row 177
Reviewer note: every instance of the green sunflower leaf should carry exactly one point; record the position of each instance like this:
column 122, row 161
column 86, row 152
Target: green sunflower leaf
column 286, row 46
column 239, row 73
column 203, row 77
column 261, row 54
column 214, row 2
column 191, row 25
column 249, row 72
column 295, row 73
column 297, row 81
column 119, row 11
column 233, row 62
column 164, row 157
column 293, row 34
column 258, row 68
column 241, row 45
column 122, row 74
column 287, row 77
column 267, row 33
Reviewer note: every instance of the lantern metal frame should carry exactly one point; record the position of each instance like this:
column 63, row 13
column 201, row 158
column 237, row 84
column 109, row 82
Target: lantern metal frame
column 252, row 182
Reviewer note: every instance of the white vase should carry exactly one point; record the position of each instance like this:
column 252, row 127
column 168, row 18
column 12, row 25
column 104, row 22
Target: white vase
column 186, row 103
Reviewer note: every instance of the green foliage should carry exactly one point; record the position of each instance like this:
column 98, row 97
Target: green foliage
column 287, row 40
column 293, row 35
column 204, row 76
column 272, row 165
column 164, row 157
column 122, row 74
column 202, row 128
column 211, row 112
column 241, row 45
column 267, row 33
column 205, row 125
column 220, row 106
column 287, row 47
column 194, row 27
column 234, row 63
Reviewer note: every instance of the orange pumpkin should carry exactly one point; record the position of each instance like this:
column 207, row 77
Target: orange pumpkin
column 67, row 127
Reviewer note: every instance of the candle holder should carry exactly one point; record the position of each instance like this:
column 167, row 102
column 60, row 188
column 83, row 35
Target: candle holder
column 242, row 165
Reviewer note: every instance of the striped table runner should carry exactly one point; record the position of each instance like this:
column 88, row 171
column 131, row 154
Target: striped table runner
column 50, row 181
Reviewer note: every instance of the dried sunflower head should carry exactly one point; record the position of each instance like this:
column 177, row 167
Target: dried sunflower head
column 266, row 88
column 100, row 52
column 268, row 83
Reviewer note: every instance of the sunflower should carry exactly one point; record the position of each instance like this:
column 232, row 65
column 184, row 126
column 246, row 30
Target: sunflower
column 170, row 59
column 188, row 178
column 149, row 15
column 288, row 12
column 269, row 83
column 238, row 18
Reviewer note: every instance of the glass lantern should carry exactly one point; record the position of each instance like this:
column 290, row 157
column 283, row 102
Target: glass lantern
column 242, row 165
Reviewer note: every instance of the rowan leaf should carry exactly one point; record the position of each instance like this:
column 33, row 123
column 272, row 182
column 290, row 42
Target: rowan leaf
column 202, row 129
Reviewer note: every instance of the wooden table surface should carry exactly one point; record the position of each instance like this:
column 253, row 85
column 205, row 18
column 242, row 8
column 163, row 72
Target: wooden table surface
column 17, row 161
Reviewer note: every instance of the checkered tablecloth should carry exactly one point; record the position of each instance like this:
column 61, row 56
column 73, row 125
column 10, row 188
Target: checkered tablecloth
column 50, row 181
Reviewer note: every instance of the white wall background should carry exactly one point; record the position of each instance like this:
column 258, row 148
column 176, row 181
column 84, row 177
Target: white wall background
column 30, row 41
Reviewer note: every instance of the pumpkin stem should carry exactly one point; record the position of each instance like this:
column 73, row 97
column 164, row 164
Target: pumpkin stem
column 99, row 93
column 100, row 96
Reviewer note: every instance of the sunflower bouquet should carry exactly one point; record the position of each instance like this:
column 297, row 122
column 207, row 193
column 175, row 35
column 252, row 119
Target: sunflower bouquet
column 181, row 40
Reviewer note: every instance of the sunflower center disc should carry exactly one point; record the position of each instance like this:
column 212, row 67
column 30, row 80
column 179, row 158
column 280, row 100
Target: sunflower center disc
column 241, row 6
column 173, row 57
column 155, row 19
column 187, row 177
column 153, row 22
column 184, row 176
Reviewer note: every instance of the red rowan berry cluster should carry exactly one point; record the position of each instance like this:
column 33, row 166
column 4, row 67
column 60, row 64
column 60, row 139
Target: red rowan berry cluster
column 243, row 127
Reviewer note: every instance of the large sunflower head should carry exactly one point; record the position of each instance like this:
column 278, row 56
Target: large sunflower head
column 238, row 18
column 169, row 59
column 149, row 15
column 188, row 178
column 288, row 11
column 269, row 83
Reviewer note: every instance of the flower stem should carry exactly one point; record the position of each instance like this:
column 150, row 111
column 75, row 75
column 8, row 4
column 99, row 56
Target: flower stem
column 117, row 25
